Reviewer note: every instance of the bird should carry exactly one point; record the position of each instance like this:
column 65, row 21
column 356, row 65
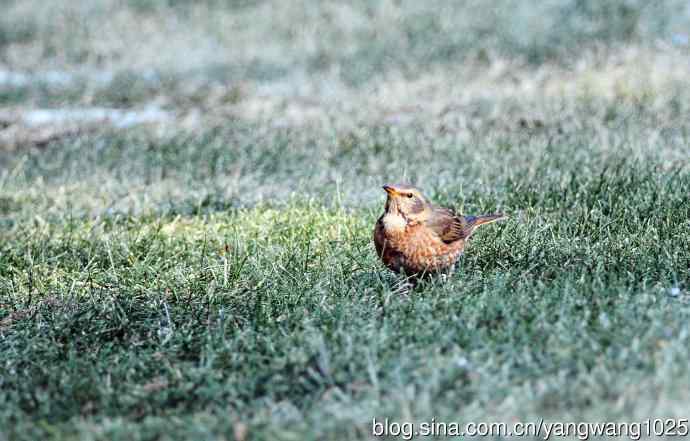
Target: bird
column 418, row 238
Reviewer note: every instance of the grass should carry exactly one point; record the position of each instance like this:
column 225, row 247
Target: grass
column 214, row 277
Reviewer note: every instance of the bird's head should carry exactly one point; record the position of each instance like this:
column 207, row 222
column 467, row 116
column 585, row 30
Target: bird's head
column 407, row 201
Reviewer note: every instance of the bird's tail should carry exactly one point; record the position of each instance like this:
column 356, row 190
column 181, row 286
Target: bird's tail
column 472, row 222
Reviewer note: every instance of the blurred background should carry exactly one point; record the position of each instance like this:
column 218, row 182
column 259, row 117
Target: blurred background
column 464, row 71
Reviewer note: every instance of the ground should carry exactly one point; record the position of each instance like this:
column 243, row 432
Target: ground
column 188, row 192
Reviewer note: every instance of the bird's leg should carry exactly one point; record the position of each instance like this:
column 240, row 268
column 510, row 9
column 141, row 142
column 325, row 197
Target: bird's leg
column 412, row 282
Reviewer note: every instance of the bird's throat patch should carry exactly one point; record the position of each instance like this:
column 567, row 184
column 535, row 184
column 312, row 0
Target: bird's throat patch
column 394, row 223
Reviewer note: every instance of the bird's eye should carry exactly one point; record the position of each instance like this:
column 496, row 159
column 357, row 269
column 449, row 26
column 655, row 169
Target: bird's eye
column 409, row 195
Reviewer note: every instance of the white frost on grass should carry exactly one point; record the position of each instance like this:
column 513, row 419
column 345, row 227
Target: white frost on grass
column 115, row 117
column 20, row 79
column 56, row 78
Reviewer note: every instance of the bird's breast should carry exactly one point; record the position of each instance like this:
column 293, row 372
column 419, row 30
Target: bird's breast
column 415, row 247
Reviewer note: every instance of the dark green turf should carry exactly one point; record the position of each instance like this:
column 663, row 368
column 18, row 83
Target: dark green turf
column 197, row 313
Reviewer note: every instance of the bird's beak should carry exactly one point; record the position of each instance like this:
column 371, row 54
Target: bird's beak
column 390, row 190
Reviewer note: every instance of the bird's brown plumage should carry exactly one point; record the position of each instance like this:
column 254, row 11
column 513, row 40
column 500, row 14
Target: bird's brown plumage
column 416, row 237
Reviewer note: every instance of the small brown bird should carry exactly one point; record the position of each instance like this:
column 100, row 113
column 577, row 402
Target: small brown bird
column 417, row 237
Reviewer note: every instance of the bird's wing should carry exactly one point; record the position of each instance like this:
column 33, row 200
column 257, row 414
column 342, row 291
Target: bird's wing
column 447, row 225
column 451, row 226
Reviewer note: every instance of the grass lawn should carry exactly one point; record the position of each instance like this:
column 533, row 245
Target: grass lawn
column 210, row 273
